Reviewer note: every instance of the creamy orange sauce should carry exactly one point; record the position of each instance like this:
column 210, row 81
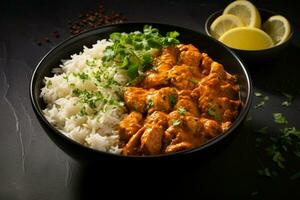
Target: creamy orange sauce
column 185, row 100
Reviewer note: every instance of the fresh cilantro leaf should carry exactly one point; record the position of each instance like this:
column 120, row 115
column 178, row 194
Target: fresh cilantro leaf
column 109, row 82
column 260, row 104
column 150, row 102
column 90, row 98
column 49, row 84
column 276, row 155
column 83, row 76
column 288, row 99
column 172, row 100
column 279, row 159
column 266, row 98
column 212, row 113
column 175, row 122
column 194, row 81
column 66, row 78
column 132, row 51
column 286, row 103
column 279, row 118
column 82, row 112
column 258, row 94
column 181, row 110
column 173, row 34
column 133, row 70
column 91, row 63
column 290, row 131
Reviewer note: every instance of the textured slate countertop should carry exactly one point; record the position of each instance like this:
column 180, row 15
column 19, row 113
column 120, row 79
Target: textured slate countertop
column 33, row 167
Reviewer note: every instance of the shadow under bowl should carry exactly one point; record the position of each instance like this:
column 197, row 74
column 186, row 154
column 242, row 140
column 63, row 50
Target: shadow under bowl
column 254, row 55
column 215, row 49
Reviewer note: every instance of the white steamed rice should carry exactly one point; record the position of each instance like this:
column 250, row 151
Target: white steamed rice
column 89, row 124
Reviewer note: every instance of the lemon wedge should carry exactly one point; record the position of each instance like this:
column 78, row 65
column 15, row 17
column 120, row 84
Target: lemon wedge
column 278, row 27
column 246, row 11
column 247, row 38
column 223, row 23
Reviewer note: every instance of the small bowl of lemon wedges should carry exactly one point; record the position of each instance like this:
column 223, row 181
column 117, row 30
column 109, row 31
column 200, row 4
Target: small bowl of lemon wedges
column 255, row 34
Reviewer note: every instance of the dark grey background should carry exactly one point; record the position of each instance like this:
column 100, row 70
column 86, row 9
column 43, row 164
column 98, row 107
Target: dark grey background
column 32, row 167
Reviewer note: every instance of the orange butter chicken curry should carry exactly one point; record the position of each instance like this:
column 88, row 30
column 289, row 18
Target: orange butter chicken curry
column 186, row 99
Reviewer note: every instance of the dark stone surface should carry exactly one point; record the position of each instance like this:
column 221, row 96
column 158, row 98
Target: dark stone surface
column 32, row 167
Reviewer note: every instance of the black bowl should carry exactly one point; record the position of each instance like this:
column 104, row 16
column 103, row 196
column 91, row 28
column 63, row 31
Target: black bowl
column 215, row 49
column 254, row 55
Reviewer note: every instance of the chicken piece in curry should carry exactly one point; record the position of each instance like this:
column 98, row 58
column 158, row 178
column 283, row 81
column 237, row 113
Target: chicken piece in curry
column 185, row 100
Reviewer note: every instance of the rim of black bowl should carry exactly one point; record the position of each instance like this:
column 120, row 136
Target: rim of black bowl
column 218, row 13
column 209, row 143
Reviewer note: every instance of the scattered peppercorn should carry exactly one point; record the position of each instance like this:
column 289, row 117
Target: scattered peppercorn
column 93, row 19
column 56, row 34
column 46, row 39
column 88, row 20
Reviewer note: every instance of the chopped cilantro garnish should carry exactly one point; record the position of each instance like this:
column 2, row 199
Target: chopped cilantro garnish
column 172, row 100
column 76, row 92
column 258, row 94
column 181, row 110
column 66, row 78
column 150, row 102
column 132, row 51
column 286, row 103
column 133, row 70
column 278, row 158
column 266, row 98
column 288, row 99
column 89, row 98
column 290, row 131
column 97, row 76
column 194, row 81
column 212, row 113
column 175, row 122
column 279, row 118
column 111, row 102
column 91, row 63
column 82, row 112
column 260, row 104
column 281, row 144
column 83, row 76
column 109, row 82
column 49, row 84
column 136, row 107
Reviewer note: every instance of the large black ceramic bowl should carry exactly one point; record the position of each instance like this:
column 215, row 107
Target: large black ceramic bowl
column 75, row 44
column 254, row 55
